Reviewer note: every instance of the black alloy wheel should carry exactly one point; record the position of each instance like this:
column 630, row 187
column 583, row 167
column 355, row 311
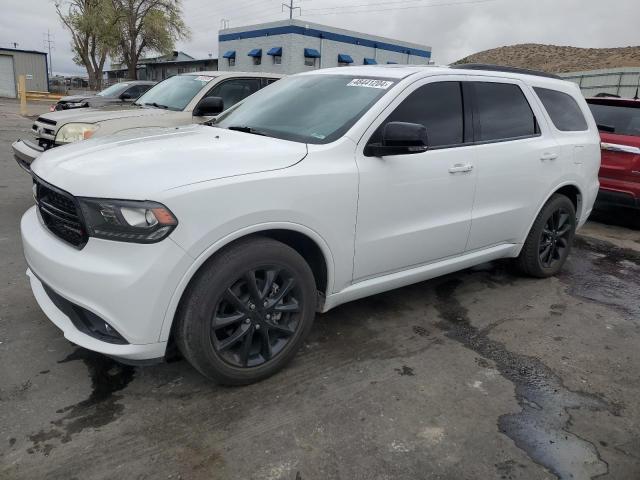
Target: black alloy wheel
column 247, row 311
column 554, row 238
column 549, row 241
column 256, row 317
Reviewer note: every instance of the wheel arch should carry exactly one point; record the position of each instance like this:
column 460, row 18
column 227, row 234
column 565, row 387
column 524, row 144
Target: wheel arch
column 569, row 189
column 308, row 243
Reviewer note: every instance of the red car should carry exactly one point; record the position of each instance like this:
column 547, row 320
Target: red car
column 618, row 120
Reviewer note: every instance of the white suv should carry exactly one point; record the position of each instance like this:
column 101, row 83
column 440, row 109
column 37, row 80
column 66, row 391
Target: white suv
column 322, row 188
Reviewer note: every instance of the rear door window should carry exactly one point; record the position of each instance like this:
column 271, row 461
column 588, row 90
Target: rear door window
column 437, row 106
column 502, row 112
column 563, row 110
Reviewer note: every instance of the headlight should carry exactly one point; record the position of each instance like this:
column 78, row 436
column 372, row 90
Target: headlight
column 73, row 132
column 127, row 220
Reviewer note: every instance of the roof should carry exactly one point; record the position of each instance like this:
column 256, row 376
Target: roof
column 395, row 71
column 623, row 102
column 224, row 73
column 294, row 26
column 22, row 51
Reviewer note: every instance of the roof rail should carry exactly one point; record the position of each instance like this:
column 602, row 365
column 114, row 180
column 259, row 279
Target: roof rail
column 501, row 68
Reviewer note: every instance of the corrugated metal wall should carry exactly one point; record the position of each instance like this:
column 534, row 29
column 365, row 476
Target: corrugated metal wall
column 35, row 64
column 618, row 81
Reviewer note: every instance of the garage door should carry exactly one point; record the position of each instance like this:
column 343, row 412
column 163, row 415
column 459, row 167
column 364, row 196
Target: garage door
column 7, row 78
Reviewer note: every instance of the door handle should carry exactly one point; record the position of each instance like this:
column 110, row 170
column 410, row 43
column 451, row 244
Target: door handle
column 548, row 156
column 461, row 168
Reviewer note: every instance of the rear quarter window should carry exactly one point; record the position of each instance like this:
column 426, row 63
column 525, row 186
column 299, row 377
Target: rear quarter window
column 562, row 109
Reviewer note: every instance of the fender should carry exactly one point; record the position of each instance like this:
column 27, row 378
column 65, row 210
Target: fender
column 219, row 244
column 546, row 198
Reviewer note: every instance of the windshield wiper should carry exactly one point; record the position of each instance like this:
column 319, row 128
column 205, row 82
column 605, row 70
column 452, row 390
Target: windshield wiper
column 157, row 105
column 246, row 129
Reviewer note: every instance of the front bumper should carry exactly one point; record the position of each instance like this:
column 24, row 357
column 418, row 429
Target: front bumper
column 25, row 153
column 127, row 285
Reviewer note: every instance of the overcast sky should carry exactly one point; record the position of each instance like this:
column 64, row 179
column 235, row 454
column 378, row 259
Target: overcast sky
column 453, row 31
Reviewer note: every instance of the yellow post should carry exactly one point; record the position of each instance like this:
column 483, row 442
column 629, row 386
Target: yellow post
column 22, row 88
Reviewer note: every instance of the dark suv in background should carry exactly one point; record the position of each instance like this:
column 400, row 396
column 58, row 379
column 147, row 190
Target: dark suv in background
column 618, row 120
column 117, row 94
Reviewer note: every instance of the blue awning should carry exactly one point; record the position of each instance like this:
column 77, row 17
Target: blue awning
column 275, row 51
column 256, row 52
column 311, row 53
column 230, row 54
column 344, row 58
column 370, row 61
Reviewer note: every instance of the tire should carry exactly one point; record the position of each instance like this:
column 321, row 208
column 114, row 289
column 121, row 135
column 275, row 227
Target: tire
column 235, row 334
column 555, row 228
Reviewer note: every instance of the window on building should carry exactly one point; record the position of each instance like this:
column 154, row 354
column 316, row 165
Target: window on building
column 256, row 55
column 276, row 54
column 344, row 60
column 503, row 112
column 437, row 106
column 232, row 62
column 310, row 56
column 563, row 110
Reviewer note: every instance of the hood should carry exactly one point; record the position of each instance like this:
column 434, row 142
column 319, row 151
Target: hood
column 140, row 165
column 90, row 115
column 75, row 98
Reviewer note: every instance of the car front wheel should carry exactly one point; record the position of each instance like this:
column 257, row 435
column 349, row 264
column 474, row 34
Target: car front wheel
column 247, row 311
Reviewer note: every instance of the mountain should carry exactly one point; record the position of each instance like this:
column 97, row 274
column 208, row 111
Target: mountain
column 554, row 58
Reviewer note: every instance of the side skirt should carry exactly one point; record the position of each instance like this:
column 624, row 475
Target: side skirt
column 373, row 286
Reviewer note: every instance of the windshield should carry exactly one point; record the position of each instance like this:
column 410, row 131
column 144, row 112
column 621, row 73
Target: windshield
column 174, row 93
column 625, row 120
column 307, row 108
column 113, row 90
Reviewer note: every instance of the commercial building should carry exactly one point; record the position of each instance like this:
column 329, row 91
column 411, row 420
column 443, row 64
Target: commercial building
column 15, row 62
column 623, row 81
column 292, row 46
column 162, row 67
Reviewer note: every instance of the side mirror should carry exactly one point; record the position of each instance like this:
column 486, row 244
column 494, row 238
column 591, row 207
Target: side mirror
column 208, row 107
column 126, row 96
column 399, row 138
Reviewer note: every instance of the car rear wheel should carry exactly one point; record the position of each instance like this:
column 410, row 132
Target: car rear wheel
column 247, row 312
column 550, row 239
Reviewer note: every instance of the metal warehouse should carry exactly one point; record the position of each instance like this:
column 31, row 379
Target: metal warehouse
column 31, row 63
column 292, row 46
column 623, row 81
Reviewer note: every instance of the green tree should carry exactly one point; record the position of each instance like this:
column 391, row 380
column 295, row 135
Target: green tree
column 92, row 24
column 147, row 26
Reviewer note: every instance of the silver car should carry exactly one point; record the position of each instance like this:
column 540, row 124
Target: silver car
column 118, row 94
column 180, row 100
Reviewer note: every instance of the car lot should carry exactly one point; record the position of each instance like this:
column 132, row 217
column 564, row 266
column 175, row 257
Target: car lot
column 479, row 374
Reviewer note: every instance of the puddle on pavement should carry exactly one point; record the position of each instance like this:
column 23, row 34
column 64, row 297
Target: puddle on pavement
column 604, row 274
column 541, row 427
column 99, row 409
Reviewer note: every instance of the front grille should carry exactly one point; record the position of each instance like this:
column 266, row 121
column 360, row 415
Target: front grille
column 46, row 120
column 60, row 213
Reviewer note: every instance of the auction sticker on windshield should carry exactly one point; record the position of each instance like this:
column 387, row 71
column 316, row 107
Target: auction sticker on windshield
column 369, row 83
column 203, row 78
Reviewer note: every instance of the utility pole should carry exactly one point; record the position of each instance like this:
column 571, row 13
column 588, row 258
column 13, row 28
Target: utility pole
column 291, row 8
column 48, row 43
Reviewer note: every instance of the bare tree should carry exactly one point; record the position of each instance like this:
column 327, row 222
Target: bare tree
column 146, row 26
column 92, row 24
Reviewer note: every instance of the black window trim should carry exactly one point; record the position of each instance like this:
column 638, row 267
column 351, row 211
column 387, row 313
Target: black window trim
column 469, row 116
